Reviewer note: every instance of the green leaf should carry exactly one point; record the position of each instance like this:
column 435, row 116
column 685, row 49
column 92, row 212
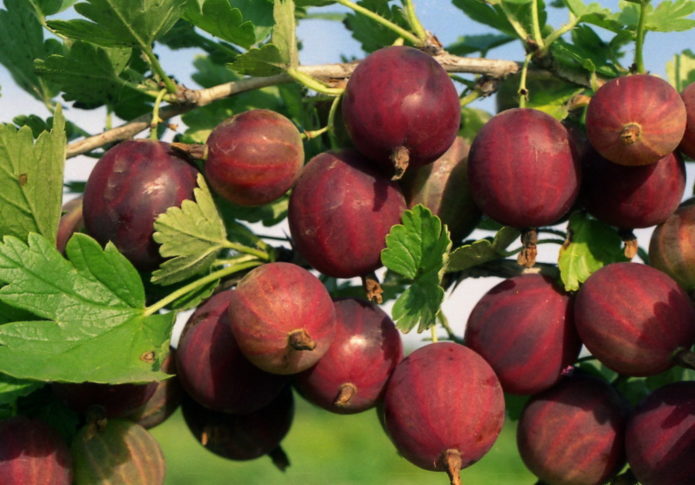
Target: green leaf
column 12, row 389
column 94, row 328
column 31, row 179
column 269, row 214
column 592, row 245
column 21, row 38
column 418, row 249
column 52, row 7
column 593, row 13
column 671, row 16
column 417, row 246
column 486, row 14
column 191, row 235
column 121, row 23
column 262, row 61
column 482, row 250
column 370, row 34
column 469, row 44
column 224, row 20
column 284, row 32
column 87, row 65
column 681, row 69
column 419, row 304
column 472, row 120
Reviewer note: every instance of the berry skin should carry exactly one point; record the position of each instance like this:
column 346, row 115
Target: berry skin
column 254, row 157
column 398, row 100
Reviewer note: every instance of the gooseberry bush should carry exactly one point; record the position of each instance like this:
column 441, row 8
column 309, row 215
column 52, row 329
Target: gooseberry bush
column 391, row 185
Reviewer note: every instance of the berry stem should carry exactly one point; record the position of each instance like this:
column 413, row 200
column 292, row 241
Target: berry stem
column 156, row 119
column 409, row 36
column 335, row 144
column 639, row 37
column 523, row 90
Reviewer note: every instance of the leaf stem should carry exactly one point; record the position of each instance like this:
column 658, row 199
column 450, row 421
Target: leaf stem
column 309, row 135
column 536, row 25
column 414, row 21
column 175, row 295
column 156, row 119
column 470, row 97
column 335, row 144
column 159, row 71
column 523, row 90
column 313, row 83
column 557, row 33
column 639, row 39
column 409, row 36
column 444, row 322
column 241, row 248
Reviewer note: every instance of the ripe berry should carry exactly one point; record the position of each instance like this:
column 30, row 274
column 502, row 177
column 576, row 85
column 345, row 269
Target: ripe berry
column 282, row 318
column 524, row 328
column 340, row 213
column 254, row 157
column 443, row 407
column 521, row 169
column 400, row 108
column 633, row 318
column 128, row 188
column 573, row 432
column 352, row 375
column 635, row 120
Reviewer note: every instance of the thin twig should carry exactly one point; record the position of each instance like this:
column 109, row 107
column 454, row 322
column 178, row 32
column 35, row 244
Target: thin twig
column 192, row 99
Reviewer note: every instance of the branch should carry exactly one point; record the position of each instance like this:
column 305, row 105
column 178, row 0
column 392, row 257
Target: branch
column 330, row 73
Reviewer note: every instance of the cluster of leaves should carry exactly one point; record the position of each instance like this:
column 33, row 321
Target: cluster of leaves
column 70, row 318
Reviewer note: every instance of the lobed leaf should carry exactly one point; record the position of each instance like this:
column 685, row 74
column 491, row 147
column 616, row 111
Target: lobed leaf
column 31, row 179
column 87, row 65
column 482, row 250
column 592, row 245
column 370, row 34
column 21, row 38
column 223, row 20
column 12, row 388
column 418, row 249
column 418, row 246
column 121, row 23
column 191, row 235
column 262, row 61
column 94, row 325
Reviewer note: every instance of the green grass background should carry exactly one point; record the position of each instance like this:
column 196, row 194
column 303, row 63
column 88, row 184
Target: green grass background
column 329, row 449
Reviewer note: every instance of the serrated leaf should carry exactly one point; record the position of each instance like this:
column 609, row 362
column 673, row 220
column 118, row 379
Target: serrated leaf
column 417, row 246
column 468, row 44
column 223, row 20
column 262, row 61
column 95, row 327
column 191, row 235
column 592, row 245
column 21, row 38
column 370, row 34
column 593, row 13
column 121, row 23
column 670, row 16
column 482, row 250
column 12, row 388
column 419, row 304
column 417, row 249
column 52, row 7
column 284, row 32
column 31, row 179
column 87, row 65
column 486, row 14
column 681, row 69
